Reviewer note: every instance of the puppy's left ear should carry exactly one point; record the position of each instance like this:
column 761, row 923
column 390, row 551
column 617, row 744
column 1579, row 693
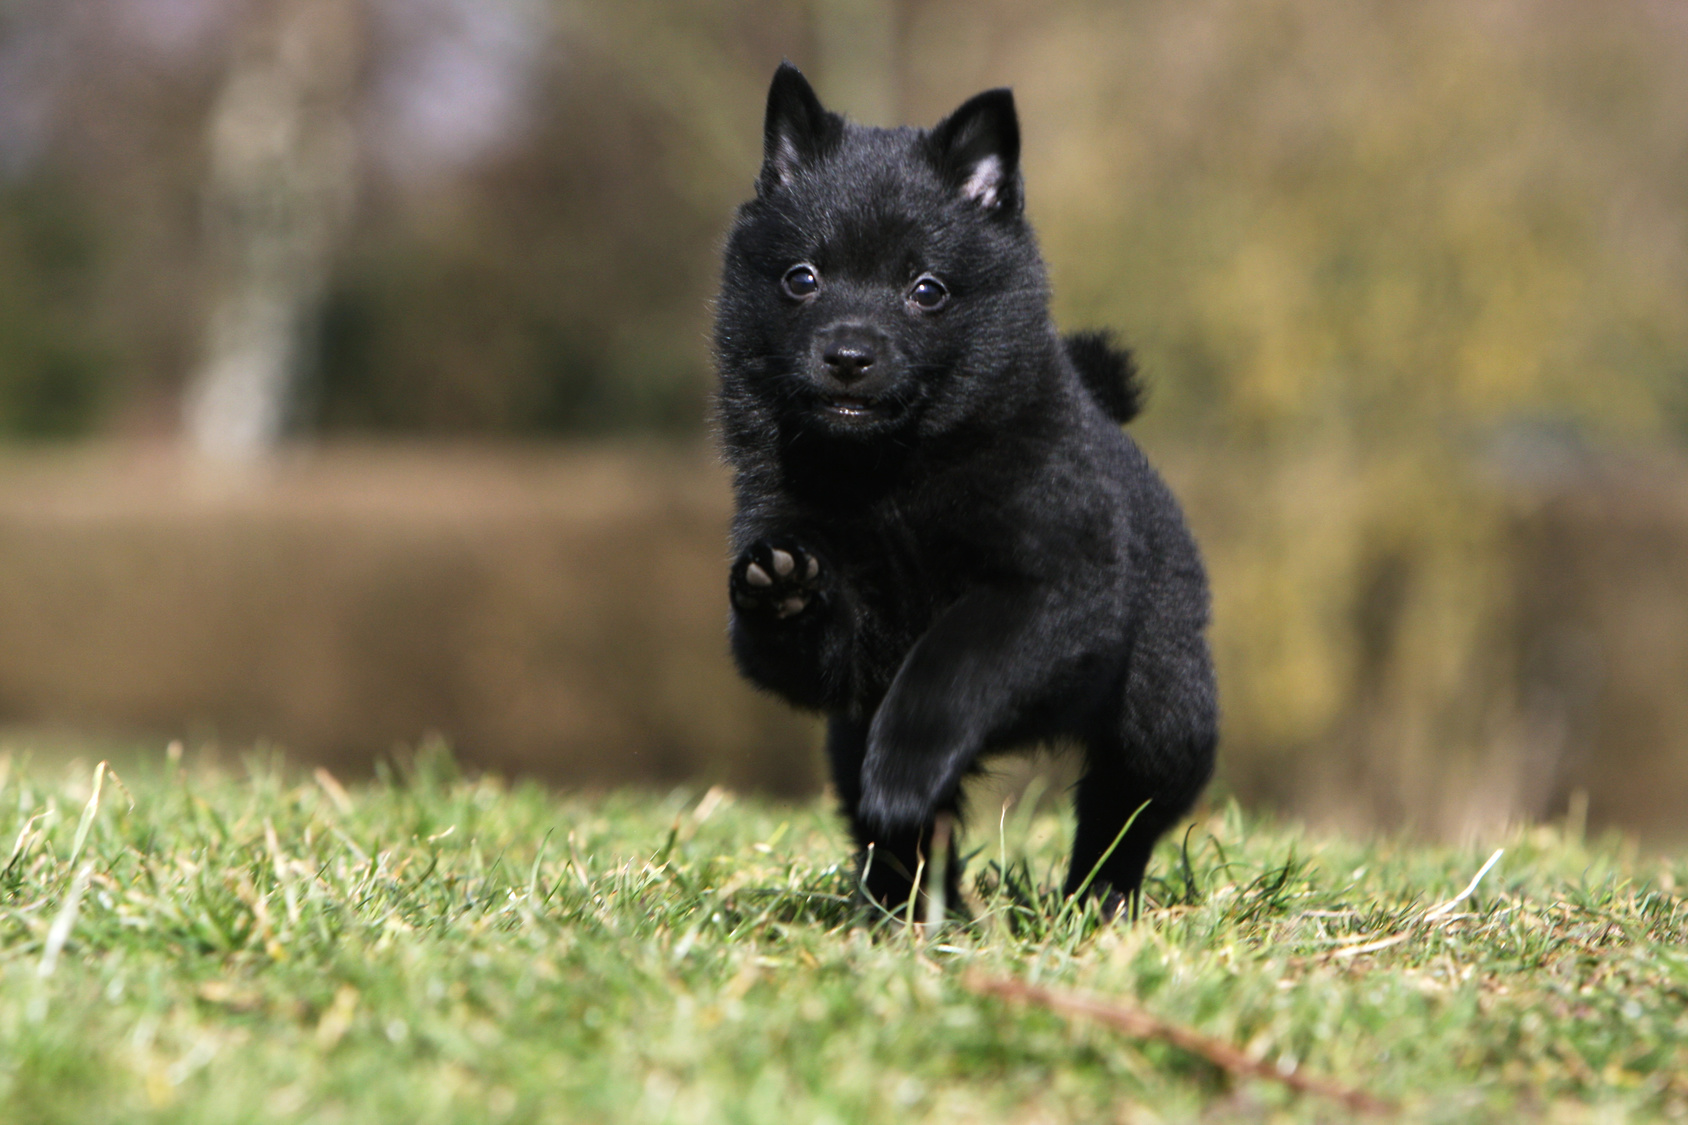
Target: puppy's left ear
column 978, row 150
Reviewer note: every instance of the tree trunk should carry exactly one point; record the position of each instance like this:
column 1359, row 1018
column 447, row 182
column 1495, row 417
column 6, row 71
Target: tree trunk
column 282, row 179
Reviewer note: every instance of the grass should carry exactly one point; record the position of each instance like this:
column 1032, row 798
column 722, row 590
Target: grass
column 193, row 946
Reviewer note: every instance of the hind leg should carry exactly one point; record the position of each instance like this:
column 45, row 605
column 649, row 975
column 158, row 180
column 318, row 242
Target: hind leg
column 886, row 873
column 1120, row 788
column 1154, row 753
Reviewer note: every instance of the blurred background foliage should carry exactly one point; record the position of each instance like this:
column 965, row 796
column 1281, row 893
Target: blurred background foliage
column 1409, row 282
column 54, row 375
column 1340, row 222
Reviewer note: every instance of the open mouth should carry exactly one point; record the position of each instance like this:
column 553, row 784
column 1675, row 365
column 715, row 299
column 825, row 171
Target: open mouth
column 847, row 406
column 858, row 413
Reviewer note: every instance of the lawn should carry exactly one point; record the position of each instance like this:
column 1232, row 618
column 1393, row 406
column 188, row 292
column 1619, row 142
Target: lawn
column 192, row 944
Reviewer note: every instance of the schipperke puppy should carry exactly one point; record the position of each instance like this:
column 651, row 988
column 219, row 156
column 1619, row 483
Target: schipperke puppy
column 946, row 543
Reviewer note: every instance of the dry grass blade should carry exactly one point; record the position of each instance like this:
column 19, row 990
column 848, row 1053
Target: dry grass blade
column 1430, row 915
column 1372, row 946
column 65, row 921
column 89, row 812
column 336, row 792
column 936, row 906
column 1141, row 1025
column 1470, row 888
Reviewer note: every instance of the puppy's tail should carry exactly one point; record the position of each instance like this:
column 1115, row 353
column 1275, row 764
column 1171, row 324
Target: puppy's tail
column 1108, row 373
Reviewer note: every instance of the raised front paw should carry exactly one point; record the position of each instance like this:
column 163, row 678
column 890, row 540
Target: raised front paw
column 777, row 578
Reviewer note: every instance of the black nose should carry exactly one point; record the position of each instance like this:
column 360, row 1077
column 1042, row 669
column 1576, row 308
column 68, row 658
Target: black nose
column 849, row 353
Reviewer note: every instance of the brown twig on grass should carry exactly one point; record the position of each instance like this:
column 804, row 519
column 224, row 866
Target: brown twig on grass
column 1141, row 1025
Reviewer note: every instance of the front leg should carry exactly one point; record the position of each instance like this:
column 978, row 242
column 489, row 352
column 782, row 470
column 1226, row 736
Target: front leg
column 886, row 873
column 788, row 622
column 976, row 679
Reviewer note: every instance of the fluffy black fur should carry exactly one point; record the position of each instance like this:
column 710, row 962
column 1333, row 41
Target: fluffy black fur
column 945, row 541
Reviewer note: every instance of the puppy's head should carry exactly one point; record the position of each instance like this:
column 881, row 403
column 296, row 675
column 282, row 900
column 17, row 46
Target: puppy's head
column 881, row 280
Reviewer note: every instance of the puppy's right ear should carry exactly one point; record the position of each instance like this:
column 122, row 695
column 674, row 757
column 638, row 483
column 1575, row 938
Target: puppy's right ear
column 798, row 130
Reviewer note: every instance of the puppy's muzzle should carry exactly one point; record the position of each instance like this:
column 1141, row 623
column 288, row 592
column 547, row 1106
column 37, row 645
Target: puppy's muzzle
column 851, row 355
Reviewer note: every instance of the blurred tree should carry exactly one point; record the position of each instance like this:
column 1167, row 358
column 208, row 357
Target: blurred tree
column 1378, row 222
column 54, row 374
column 282, row 179
column 562, row 285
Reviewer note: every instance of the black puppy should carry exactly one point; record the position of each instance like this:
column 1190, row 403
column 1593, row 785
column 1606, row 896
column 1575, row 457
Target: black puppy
column 947, row 543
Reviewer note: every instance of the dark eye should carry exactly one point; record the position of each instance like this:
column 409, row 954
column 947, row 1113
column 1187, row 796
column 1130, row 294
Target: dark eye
column 928, row 294
column 800, row 282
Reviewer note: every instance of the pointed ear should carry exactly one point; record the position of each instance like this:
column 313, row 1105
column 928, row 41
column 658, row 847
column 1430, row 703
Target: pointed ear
column 978, row 150
column 798, row 129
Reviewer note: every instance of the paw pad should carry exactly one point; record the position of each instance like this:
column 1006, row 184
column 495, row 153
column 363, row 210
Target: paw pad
column 781, row 581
